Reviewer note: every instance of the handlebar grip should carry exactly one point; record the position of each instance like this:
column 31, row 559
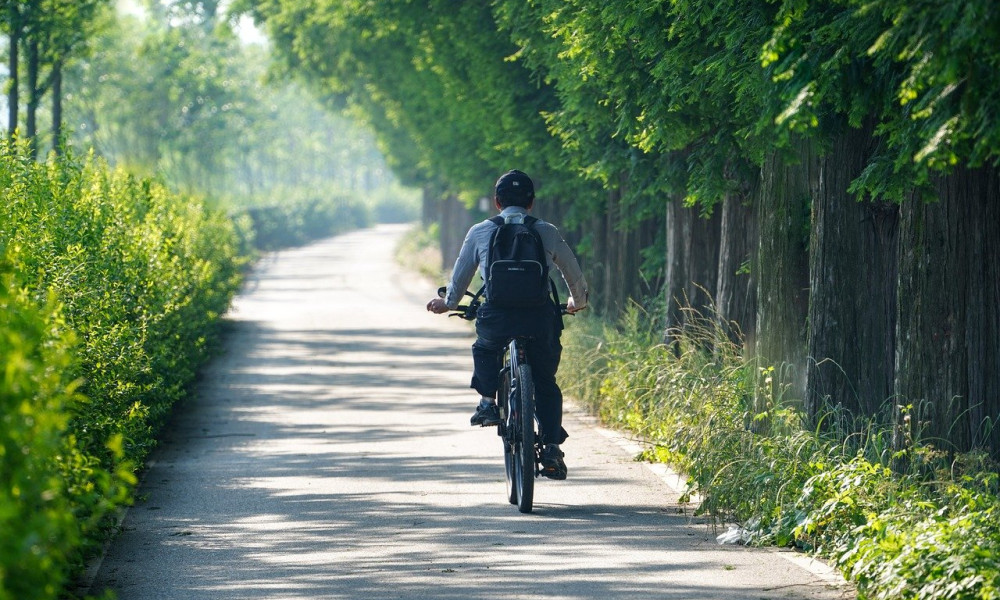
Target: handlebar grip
column 563, row 311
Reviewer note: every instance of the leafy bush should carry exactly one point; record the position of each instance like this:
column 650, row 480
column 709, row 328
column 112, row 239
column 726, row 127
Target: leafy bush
column 930, row 531
column 137, row 276
column 46, row 479
column 298, row 220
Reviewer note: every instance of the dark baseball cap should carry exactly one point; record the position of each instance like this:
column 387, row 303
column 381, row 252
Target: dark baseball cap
column 514, row 183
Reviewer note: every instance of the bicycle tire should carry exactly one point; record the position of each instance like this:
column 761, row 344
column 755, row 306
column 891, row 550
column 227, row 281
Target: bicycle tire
column 525, row 442
column 503, row 399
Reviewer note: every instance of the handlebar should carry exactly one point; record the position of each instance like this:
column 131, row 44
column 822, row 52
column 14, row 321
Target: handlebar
column 464, row 311
column 468, row 311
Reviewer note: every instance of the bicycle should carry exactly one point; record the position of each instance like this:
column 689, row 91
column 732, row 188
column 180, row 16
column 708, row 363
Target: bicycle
column 518, row 426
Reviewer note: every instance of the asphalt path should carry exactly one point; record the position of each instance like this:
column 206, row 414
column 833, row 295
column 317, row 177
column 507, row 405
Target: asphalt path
column 328, row 454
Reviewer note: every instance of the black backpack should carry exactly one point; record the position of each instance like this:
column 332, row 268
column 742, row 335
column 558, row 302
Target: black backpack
column 517, row 271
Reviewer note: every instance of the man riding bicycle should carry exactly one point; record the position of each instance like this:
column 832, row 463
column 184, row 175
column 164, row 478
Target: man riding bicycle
column 514, row 196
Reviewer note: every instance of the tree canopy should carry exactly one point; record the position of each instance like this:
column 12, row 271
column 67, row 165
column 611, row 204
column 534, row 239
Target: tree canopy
column 676, row 95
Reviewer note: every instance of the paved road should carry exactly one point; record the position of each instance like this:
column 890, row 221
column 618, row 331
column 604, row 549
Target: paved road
column 328, row 455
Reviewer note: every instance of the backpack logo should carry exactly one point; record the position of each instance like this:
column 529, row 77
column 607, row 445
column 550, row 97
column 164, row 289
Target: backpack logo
column 517, row 272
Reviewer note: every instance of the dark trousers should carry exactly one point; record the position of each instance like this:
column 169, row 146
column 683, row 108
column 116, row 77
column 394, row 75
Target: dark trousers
column 543, row 326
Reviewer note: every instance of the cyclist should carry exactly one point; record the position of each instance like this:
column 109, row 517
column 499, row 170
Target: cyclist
column 514, row 196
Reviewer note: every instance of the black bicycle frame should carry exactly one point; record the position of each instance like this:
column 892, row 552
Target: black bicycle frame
column 513, row 357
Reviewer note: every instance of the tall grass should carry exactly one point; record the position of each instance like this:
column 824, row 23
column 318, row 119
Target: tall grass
column 419, row 251
column 930, row 531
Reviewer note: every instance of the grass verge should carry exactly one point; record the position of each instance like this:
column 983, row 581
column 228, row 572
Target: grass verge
column 419, row 251
column 930, row 531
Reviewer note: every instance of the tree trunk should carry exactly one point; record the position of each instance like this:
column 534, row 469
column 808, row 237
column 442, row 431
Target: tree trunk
column 692, row 265
column 617, row 241
column 428, row 206
column 852, row 302
column 455, row 221
column 782, row 270
column 703, row 260
column 30, row 129
column 13, row 67
column 622, row 257
column 57, row 112
column 948, row 352
column 612, row 284
column 596, row 226
column 736, row 290
column 449, row 240
column 678, row 229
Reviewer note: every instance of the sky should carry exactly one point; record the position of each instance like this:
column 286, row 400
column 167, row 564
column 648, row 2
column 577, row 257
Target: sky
column 245, row 28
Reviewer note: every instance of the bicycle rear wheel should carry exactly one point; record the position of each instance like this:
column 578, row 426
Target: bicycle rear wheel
column 507, row 430
column 524, row 444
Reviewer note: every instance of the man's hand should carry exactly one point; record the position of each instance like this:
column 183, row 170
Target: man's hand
column 437, row 306
column 571, row 306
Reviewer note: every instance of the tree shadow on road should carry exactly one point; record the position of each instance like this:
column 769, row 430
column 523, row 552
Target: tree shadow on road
column 301, row 480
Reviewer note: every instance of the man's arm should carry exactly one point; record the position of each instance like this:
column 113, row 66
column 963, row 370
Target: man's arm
column 565, row 260
column 463, row 271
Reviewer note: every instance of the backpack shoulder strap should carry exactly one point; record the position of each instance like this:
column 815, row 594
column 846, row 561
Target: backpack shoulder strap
column 530, row 221
column 499, row 222
column 479, row 294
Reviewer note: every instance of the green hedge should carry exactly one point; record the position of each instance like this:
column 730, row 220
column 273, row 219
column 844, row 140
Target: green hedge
column 111, row 288
column 296, row 221
column 903, row 520
column 47, row 481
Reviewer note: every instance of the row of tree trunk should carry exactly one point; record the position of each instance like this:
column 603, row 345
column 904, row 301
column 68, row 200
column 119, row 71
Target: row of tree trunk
column 39, row 43
column 864, row 309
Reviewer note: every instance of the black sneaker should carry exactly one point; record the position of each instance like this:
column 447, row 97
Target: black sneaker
column 486, row 415
column 553, row 465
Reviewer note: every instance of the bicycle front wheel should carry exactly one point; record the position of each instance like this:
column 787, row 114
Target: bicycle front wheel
column 524, row 455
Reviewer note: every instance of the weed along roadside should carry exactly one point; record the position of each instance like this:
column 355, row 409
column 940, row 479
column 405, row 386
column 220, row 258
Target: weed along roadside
column 927, row 529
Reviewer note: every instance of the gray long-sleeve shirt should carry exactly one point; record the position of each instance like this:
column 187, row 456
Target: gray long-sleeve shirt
column 476, row 247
